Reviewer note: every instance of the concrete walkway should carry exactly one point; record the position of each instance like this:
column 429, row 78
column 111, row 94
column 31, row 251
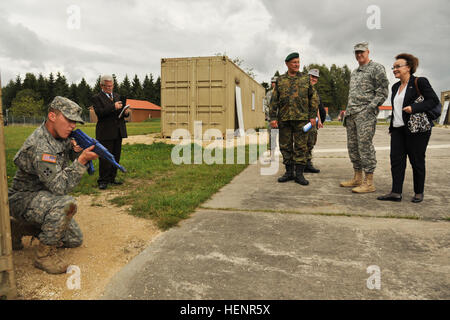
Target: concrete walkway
column 259, row 239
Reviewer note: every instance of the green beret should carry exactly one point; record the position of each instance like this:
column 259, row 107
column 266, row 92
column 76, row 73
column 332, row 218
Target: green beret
column 291, row 56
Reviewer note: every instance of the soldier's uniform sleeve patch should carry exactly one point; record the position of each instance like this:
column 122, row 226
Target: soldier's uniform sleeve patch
column 48, row 158
column 46, row 170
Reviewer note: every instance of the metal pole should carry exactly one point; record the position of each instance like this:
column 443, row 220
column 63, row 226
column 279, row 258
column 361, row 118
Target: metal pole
column 7, row 280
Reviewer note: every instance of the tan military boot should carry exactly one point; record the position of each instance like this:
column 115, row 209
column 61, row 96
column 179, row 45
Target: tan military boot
column 355, row 182
column 366, row 186
column 21, row 229
column 46, row 259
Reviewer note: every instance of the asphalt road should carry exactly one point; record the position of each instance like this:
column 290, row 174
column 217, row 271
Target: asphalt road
column 259, row 239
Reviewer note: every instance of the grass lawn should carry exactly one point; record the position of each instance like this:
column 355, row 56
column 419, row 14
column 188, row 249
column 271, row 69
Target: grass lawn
column 154, row 187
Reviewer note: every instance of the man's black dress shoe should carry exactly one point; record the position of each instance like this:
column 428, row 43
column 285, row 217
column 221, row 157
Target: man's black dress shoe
column 102, row 186
column 417, row 198
column 116, row 182
column 391, row 197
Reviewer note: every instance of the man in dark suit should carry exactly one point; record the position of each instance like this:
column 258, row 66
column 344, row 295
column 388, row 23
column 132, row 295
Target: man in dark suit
column 110, row 128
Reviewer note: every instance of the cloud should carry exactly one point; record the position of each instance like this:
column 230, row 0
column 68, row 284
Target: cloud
column 415, row 26
column 130, row 37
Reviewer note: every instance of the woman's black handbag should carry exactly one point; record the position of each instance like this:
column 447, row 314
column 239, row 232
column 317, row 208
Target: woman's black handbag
column 419, row 122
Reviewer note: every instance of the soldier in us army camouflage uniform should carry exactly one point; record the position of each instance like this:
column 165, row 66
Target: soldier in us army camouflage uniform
column 312, row 134
column 38, row 196
column 368, row 90
column 294, row 104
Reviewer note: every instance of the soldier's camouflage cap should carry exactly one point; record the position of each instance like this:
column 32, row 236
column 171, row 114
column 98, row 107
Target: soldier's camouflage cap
column 274, row 79
column 314, row 72
column 291, row 56
column 362, row 46
column 69, row 109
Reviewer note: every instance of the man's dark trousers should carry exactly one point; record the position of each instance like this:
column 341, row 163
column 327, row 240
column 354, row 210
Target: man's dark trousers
column 107, row 171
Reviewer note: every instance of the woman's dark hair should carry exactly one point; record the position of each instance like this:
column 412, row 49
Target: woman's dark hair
column 411, row 61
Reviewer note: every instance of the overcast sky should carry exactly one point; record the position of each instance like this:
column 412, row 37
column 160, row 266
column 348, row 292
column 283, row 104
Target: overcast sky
column 131, row 36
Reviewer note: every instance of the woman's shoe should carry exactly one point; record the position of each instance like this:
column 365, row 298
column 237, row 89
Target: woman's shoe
column 417, row 198
column 391, row 197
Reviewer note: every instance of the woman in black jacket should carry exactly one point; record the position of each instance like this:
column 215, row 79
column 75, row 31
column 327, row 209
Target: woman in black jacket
column 405, row 141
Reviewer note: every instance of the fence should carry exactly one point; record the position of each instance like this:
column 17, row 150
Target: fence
column 30, row 120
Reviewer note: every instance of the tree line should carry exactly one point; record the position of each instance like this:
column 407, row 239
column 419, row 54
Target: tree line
column 31, row 96
column 332, row 87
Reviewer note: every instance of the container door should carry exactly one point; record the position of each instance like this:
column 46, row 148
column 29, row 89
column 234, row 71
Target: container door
column 211, row 93
column 175, row 95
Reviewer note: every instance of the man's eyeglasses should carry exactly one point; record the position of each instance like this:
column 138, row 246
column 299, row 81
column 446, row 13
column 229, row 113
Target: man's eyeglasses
column 398, row 67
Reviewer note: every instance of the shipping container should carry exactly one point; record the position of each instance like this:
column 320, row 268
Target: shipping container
column 204, row 89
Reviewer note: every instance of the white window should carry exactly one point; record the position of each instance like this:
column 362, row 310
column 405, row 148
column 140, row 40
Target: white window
column 253, row 101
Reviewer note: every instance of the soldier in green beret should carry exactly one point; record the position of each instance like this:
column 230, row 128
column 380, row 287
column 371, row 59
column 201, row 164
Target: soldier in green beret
column 294, row 103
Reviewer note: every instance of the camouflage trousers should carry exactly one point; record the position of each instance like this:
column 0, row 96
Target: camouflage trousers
column 47, row 211
column 293, row 141
column 360, row 131
column 312, row 140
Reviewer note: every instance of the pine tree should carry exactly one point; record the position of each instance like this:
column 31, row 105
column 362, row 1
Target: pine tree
column 148, row 88
column 84, row 95
column 50, row 94
column 18, row 83
column 125, row 88
column 8, row 94
column 61, row 86
column 30, row 82
column 73, row 93
column 157, row 87
column 115, row 83
column 41, row 86
column 136, row 88
column 97, row 87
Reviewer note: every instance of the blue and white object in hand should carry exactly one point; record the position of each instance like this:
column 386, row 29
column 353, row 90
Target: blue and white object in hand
column 308, row 126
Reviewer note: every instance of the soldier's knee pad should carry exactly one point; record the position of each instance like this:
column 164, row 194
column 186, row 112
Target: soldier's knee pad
column 70, row 209
column 67, row 204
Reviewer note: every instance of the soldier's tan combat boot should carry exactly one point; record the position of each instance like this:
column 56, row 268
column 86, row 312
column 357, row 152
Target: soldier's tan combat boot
column 355, row 182
column 366, row 186
column 46, row 259
column 21, row 229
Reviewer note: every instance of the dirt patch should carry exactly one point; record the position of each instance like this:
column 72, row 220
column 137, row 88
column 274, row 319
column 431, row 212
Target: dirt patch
column 156, row 137
column 147, row 139
column 112, row 238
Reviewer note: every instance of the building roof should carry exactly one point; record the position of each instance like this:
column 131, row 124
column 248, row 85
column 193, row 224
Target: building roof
column 142, row 104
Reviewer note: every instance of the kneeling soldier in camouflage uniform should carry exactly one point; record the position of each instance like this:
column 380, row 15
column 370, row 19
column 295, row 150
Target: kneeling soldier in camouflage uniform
column 38, row 198
column 294, row 103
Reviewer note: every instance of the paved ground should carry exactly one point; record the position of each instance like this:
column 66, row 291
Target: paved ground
column 259, row 239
